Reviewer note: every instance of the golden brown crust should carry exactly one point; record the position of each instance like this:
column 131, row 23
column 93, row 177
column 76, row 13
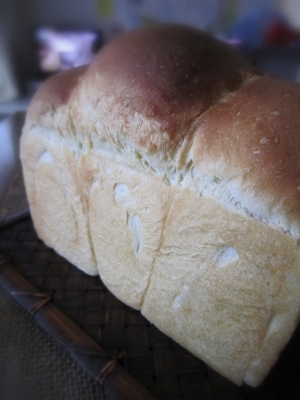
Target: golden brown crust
column 253, row 137
column 54, row 92
column 162, row 78
column 170, row 74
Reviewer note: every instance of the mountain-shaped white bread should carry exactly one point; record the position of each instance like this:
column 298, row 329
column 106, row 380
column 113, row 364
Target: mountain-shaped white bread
column 172, row 168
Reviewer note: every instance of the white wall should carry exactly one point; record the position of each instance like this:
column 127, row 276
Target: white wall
column 292, row 10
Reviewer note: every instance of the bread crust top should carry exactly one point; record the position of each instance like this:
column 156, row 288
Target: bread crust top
column 55, row 92
column 169, row 73
column 168, row 87
column 253, row 138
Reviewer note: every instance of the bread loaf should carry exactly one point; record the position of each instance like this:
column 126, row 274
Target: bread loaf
column 171, row 167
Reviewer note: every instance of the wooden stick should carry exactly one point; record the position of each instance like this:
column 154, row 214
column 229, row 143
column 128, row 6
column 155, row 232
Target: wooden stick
column 96, row 362
column 11, row 219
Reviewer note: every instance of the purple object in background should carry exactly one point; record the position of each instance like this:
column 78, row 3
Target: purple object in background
column 61, row 49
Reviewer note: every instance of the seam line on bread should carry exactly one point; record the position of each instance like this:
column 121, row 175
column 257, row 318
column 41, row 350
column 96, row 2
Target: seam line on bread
column 162, row 236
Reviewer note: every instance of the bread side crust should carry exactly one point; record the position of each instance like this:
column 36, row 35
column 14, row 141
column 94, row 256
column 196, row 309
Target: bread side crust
column 55, row 197
column 127, row 212
column 230, row 286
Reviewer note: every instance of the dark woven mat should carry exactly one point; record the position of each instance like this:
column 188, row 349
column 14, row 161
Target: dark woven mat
column 33, row 366
column 165, row 368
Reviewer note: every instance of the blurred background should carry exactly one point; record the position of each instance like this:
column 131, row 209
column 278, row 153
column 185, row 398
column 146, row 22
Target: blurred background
column 41, row 37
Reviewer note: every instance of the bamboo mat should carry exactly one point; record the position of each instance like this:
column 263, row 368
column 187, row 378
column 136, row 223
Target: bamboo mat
column 163, row 367
column 33, row 366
